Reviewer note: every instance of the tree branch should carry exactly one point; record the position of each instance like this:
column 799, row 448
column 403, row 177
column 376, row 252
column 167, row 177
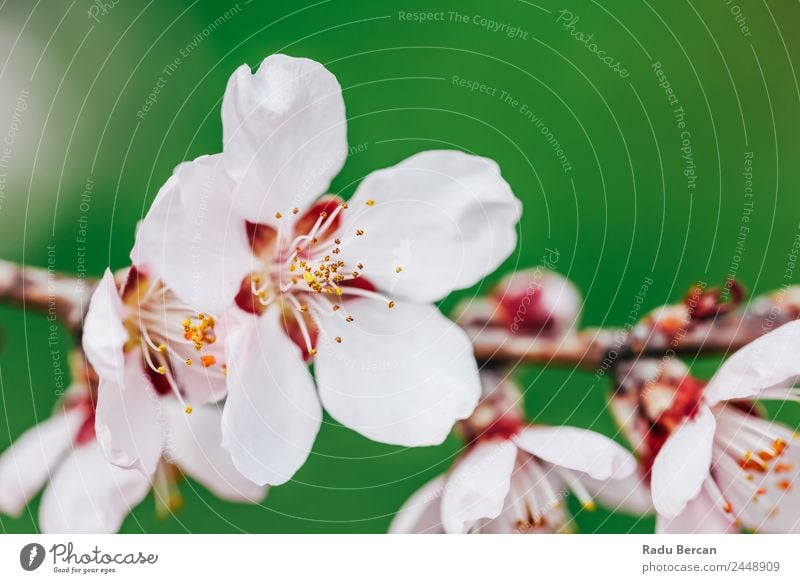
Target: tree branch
column 592, row 349
column 44, row 290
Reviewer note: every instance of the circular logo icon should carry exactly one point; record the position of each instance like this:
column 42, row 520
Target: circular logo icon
column 31, row 556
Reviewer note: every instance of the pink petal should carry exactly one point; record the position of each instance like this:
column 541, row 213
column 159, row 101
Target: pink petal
column 193, row 239
column 578, row 449
column 422, row 513
column 477, row 487
column 272, row 414
column 194, row 443
column 90, row 495
column 403, row 375
column 769, row 361
column 446, row 218
column 284, row 134
column 127, row 422
column 34, row 456
column 683, row 463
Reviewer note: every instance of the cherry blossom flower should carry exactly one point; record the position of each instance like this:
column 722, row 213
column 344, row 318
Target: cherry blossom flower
column 145, row 343
column 309, row 278
column 716, row 463
column 531, row 302
column 514, row 477
column 85, row 493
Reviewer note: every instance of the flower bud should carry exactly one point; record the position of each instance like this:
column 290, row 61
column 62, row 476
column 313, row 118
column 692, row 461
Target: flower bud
column 499, row 412
column 537, row 302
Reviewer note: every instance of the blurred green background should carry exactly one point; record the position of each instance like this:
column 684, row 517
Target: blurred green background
column 621, row 209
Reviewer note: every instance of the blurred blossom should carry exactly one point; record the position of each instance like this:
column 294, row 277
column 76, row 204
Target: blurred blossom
column 514, row 478
column 85, row 493
column 715, row 463
column 533, row 302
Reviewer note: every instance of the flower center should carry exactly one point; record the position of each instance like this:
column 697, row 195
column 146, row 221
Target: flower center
column 169, row 333
column 304, row 270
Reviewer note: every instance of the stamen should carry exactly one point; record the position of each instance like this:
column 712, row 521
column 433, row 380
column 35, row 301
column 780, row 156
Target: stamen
column 301, row 324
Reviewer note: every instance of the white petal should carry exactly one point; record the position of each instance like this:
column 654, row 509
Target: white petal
column 32, row 458
column 630, row 495
column 683, row 463
column 103, row 331
column 402, row 375
column 701, row 516
column 578, row 449
column 89, row 495
column 127, row 423
column 769, row 361
column 272, row 414
column 193, row 238
column 422, row 513
column 478, row 485
column 284, row 133
column 446, row 218
column 194, row 442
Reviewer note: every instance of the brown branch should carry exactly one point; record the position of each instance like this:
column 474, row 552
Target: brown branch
column 44, row 290
column 592, row 349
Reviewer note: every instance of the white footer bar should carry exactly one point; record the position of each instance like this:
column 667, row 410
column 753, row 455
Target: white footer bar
column 407, row 559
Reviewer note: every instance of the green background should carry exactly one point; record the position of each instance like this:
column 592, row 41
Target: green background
column 622, row 214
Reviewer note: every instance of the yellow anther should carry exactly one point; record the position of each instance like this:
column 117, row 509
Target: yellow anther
column 335, row 307
column 312, row 352
column 339, row 291
column 309, row 278
column 188, row 410
column 201, row 316
column 255, row 278
column 369, row 202
column 292, row 267
column 391, row 304
column 359, row 232
column 398, row 269
column 589, row 506
column 186, row 323
column 343, row 205
column 162, row 348
column 161, row 370
column 278, row 215
column 188, row 362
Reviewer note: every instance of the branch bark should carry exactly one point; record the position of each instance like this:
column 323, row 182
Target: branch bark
column 44, row 290
column 591, row 349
